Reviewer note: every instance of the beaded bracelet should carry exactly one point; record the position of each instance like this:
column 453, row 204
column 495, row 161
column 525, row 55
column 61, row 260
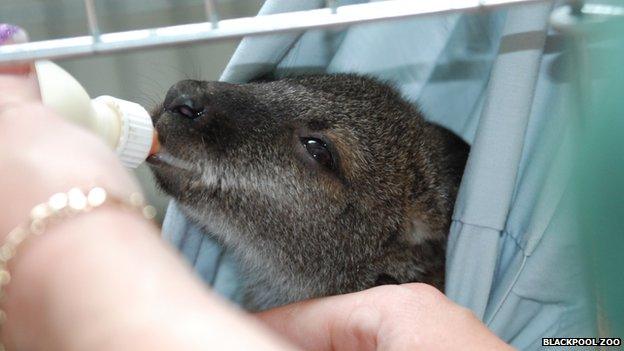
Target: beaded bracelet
column 60, row 206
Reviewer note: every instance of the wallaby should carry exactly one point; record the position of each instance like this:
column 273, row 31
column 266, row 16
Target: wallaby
column 320, row 184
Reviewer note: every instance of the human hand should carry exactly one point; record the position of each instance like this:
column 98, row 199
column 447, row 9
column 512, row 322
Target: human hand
column 393, row 317
column 102, row 280
column 41, row 154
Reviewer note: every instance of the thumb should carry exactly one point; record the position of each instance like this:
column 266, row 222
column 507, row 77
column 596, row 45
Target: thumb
column 10, row 34
column 18, row 83
column 341, row 322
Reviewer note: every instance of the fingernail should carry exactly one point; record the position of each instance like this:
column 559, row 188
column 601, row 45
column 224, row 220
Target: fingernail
column 11, row 34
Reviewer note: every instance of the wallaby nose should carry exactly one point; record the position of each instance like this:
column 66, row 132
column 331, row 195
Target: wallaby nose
column 185, row 99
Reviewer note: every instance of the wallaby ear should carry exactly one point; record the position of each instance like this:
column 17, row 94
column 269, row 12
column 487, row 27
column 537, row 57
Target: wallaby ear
column 433, row 192
column 418, row 229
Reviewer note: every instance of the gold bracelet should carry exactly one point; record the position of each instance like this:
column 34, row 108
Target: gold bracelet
column 60, row 206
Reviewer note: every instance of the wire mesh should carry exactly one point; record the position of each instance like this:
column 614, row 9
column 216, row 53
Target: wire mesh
column 215, row 29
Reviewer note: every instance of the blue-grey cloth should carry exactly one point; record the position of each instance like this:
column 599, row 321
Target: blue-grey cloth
column 496, row 79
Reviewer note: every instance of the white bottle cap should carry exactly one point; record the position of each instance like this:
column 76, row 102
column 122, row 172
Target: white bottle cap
column 136, row 134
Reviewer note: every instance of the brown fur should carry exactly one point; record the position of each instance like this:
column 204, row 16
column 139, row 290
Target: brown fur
column 301, row 230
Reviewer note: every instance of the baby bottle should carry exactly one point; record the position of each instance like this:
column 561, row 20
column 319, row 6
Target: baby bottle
column 125, row 126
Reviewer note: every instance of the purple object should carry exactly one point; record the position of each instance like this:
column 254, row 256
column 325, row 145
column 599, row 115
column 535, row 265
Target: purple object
column 10, row 34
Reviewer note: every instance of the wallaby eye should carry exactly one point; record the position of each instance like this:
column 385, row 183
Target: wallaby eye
column 319, row 150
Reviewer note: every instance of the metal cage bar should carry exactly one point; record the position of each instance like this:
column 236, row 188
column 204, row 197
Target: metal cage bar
column 332, row 4
column 92, row 20
column 102, row 43
column 212, row 13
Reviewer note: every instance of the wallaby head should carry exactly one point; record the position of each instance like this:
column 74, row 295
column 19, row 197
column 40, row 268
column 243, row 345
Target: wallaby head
column 320, row 185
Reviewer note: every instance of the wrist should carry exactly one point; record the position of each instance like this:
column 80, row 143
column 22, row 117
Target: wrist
column 82, row 287
column 24, row 198
column 57, row 156
column 52, row 270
